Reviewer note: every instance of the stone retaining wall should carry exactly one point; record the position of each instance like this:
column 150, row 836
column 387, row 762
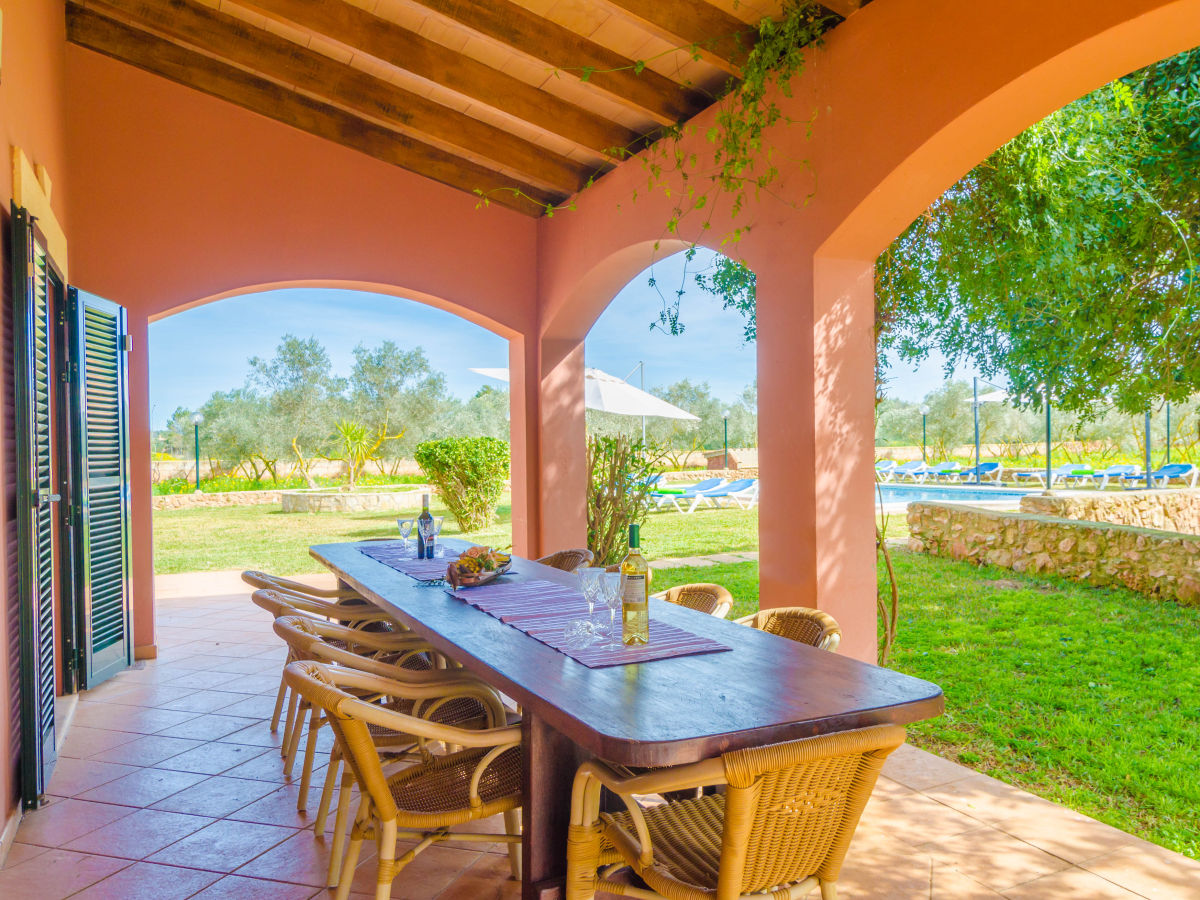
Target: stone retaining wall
column 357, row 501
column 696, row 477
column 1160, row 564
column 217, row 498
column 1165, row 510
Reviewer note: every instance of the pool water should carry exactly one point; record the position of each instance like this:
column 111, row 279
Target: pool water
column 909, row 493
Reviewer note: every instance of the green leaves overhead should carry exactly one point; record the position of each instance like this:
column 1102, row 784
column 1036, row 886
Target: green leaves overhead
column 1067, row 259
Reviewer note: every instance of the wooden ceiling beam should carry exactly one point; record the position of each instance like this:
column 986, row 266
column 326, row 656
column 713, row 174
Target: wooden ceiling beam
column 844, row 8
column 718, row 37
column 196, row 70
column 406, row 50
column 286, row 62
column 567, row 51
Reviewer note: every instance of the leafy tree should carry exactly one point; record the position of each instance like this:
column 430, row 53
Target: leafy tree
column 484, row 415
column 392, row 391
column 239, row 430
column 619, row 470
column 302, row 394
column 469, row 473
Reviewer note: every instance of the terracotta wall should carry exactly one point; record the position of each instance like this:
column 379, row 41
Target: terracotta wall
column 31, row 117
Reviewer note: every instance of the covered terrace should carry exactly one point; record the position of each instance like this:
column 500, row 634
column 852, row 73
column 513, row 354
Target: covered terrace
column 175, row 153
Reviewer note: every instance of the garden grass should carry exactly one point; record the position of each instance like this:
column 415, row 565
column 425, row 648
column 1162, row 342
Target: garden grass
column 1089, row 697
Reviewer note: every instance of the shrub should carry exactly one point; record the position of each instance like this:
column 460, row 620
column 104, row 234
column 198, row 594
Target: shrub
column 469, row 475
column 618, row 495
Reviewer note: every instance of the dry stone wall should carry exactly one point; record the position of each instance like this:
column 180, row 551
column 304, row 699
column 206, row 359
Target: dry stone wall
column 1165, row 510
column 1160, row 564
column 217, row 498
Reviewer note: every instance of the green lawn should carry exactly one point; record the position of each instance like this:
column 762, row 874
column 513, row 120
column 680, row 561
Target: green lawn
column 1088, row 697
column 262, row 537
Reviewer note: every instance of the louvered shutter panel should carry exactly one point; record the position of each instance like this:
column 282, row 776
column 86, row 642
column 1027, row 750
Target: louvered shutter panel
column 35, row 492
column 103, row 490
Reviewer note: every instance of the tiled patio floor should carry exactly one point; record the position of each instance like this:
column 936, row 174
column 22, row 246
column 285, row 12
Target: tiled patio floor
column 169, row 785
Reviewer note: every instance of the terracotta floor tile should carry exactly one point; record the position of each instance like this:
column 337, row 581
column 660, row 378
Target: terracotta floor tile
column 146, row 751
column 258, row 735
column 255, row 706
column 146, row 881
column 1066, row 833
column 140, row 720
column 424, row 878
column 254, row 684
column 886, row 875
column 140, row 834
column 244, row 666
column 269, row 767
column 208, row 727
column 301, row 859
column 1151, row 871
column 918, row 819
column 152, row 695
column 950, row 884
column 216, row 796
column 223, row 846
column 205, row 701
column 235, row 887
column 202, row 679
column 76, row 776
column 993, row 858
column 62, row 820
column 488, row 878
column 279, row 808
column 82, row 741
column 1070, row 884
column 212, row 758
column 56, row 874
column 18, row 853
column 990, row 799
column 143, row 788
column 919, row 770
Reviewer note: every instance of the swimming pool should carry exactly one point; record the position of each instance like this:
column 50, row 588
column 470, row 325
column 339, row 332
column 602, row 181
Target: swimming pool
column 909, row 493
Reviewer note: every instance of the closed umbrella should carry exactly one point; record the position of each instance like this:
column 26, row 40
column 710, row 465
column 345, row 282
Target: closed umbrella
column 608, row 393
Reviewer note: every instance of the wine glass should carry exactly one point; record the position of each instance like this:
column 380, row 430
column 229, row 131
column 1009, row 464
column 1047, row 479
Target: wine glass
column 589, row 583
column 406, row 527
column 610, row 586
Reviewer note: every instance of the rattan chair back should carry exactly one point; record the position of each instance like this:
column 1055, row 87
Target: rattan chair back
column 799, row 623
column 791, row 809
column 265, row 580
column 567, row 560
column 280, row 603
column 706, row 598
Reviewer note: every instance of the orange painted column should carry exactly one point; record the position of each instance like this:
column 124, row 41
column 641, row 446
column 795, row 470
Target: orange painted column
column 563, row 464
column 525, row 446
column 815, row 407
column 142, row 525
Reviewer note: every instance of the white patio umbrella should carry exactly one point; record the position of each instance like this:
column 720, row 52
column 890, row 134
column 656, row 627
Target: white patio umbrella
column 608, row 393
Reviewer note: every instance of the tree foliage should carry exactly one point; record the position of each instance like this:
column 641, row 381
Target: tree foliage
column 619, row 471
column 469, row 473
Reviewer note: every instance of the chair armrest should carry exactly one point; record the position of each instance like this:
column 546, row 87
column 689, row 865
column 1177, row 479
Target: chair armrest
column 430, row 731
column 745, row 620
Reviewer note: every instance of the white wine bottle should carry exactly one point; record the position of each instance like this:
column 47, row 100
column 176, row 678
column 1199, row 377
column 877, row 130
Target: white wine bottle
column 635, row 593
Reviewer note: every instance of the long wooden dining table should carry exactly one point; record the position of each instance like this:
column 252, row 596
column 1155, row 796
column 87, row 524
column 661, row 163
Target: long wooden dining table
column 763, row 690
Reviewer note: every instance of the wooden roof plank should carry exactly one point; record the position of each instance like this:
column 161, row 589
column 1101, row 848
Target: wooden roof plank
column 720, row 38
column 159, row 56
column 537, row 37
column 843, row 8
column 409, row 51
column 282, row 60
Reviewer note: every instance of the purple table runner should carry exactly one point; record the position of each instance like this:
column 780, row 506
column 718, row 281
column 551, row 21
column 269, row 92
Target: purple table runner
column 395, row 556
column 542, row 610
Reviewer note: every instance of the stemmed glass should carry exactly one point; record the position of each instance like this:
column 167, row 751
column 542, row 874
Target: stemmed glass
column 610, row 591
column 589, row 583
column 406, row 527
column 435, row 528
column 581, row 633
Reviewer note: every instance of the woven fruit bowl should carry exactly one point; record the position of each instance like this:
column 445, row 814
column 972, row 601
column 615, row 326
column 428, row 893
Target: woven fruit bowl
column 478, row 565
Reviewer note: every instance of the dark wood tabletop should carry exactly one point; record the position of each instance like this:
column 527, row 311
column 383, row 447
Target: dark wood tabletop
column 765, row 689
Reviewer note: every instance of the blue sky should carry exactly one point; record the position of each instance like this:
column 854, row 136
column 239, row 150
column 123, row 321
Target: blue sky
column 202, row 350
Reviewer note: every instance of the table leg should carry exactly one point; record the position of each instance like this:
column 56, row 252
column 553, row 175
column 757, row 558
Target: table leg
column 550, row 762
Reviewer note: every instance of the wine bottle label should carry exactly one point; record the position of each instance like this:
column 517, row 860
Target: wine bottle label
column 634, row 591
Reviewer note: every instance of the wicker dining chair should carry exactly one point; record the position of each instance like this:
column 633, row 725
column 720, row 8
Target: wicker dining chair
column 266, row 581
column 280, row 603
column 423, row 802
column 798, row 623
column 567, row 560
column 781, row 828
column 706, row 598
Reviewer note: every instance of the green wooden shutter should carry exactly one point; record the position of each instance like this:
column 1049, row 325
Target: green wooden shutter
column 33, row 279
column 102, row 488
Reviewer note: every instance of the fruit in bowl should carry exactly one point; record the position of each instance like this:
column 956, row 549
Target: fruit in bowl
column 477, row 565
